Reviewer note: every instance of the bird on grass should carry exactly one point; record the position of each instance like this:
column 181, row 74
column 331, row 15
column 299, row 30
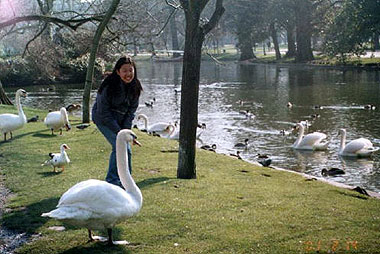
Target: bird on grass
column 99, row 205
column 58, row 160
column 33, row 119
column 83, row 126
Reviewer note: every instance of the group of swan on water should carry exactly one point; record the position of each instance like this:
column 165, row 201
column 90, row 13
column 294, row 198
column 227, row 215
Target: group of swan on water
column 92, row 204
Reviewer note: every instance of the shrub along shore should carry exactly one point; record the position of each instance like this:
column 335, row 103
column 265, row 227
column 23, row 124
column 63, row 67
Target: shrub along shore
column 232, row 206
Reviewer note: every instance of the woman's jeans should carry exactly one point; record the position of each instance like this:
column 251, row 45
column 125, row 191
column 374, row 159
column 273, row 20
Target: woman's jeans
column 112, row 175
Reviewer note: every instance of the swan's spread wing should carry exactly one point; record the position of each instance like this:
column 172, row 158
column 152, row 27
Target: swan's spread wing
column 312, row 139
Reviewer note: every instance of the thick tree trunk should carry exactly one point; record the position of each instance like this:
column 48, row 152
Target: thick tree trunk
column 376, row 45
column 3, row 97
column 194, row 38
column 273, row 33
column 291, row 42
column 91, row 61
column 245, row 45
column 303, row 31
column 189, row 102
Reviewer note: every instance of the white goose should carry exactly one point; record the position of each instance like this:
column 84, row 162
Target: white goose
column 360, row 147
column 56, row 120
column 10, row 122
column 58, row 160
column 157, row 127
column 311, row 141
column 98, row 205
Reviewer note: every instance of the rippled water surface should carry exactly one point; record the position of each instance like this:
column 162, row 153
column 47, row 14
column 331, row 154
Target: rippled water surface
column 337, row 96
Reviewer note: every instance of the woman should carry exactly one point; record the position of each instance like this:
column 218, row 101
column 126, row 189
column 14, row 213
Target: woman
column 115, row 106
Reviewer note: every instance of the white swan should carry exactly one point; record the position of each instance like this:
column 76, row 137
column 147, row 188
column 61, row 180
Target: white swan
column 311, row 141
column 157, row 127
column 58, row 160
column 98, row 205
column 10, row 122
column 360, row 147
column 56, row 120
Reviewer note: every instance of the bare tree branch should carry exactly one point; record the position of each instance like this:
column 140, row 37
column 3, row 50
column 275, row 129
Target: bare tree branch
column 71, row 23
column 34, row 37
column 219, row 10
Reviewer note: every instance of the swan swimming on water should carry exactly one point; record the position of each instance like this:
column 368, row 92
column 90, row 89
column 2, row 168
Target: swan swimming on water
column 360, row 147
column 98, row 205
column 10, row 122
column 311, row 141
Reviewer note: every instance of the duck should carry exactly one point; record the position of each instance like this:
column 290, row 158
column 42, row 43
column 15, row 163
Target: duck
column 211, row 148
column 157, row 127
column 242, row 145
column 318, row 107
column 289, row 104
column 56, row 120
column 11, row 122
column 360, row 147
column 265, row 162
column 237, row 155
column 311, row 141
column 33, row 119
column 83, row 126
column 58, row 160
column 370, row 107
column 72, row 107
column 332, row 172
column 149, row 104
column 99, row 205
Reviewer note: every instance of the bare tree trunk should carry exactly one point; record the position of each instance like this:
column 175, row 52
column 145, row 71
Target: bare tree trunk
column 195, row 34
column 3, row 97
column 91, row 61
column 291, row 42
column 303, row 31
column 273, row 33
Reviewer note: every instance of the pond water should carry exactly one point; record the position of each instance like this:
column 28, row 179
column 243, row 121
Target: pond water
column 336, row 96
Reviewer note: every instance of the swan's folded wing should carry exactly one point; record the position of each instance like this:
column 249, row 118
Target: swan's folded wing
column 313, row 138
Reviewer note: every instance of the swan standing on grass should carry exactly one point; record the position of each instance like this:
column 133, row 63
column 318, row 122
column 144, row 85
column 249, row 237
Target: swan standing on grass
column 311, row 141
column 56, row 120
column 10, row 122
column 98, row 205
column 58, row 160
column 157, row 127
column 360, row 147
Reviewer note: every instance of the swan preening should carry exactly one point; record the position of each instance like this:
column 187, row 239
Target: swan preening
column 156, row 127
column 98, row 205
column 10, row 122
column 56, row 120
column 311, row 141
column 58, row 160
column 360, row 147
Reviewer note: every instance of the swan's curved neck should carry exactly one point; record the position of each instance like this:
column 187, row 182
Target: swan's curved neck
column 342, row 141
column 64, row 116
column 145, row 121
column 300, row 136
column 19, row 108
column 123, row 170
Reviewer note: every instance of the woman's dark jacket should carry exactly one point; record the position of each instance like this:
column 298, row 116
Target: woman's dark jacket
column 115, row 106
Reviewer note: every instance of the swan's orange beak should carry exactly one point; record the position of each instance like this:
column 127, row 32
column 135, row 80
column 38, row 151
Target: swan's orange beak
column 135, row 142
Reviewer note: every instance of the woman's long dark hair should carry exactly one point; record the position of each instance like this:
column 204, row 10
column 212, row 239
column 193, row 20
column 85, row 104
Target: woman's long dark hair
column 135, row 87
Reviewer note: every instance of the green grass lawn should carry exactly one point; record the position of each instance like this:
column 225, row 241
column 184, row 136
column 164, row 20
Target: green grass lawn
column 232, row 206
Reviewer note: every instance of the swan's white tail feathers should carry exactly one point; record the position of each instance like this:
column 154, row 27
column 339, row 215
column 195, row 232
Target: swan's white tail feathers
column 67, row 213
column 46, row 163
